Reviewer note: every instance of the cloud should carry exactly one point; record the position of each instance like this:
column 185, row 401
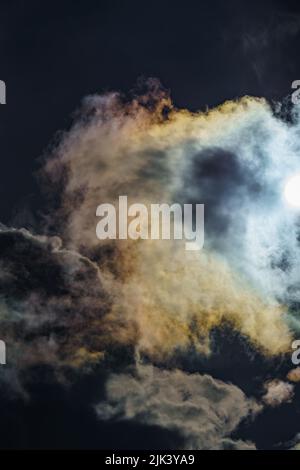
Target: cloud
column 294, row 375
column 72, row 302
column 278, row 392
column 52, row 303
column 234, row 159
column 203, row 410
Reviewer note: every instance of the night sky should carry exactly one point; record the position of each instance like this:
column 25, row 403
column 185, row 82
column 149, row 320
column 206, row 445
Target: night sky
column 70, row 351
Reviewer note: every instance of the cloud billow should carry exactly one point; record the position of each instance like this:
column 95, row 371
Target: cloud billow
column 76, row 303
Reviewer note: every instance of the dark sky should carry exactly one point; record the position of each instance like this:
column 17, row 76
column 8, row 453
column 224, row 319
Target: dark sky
column 52, row 54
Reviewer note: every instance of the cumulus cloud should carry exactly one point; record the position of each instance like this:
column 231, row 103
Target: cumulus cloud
column 72, row 301
column 52, row 303
column 294, row 375
column 203, row 410
column 235, row 159
column 278, row 392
